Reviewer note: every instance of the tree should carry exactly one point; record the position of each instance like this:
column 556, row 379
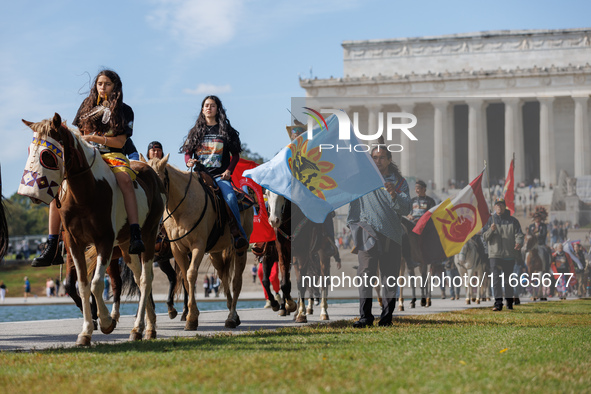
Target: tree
column 249, row 155
column 24, row 217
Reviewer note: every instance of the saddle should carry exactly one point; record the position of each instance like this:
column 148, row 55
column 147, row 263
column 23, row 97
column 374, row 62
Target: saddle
column 224, row 215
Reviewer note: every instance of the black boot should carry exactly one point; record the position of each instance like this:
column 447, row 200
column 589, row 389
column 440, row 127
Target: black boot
column 136, row 245
column 49, row 256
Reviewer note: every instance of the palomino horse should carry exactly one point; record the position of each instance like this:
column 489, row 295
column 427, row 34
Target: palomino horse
column 303, row 243
column 472, row 262
column 535, row 265
column 192, row 223
column 93, row 213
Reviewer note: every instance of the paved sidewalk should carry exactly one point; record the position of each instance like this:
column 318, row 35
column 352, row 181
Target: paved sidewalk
column 37, row 335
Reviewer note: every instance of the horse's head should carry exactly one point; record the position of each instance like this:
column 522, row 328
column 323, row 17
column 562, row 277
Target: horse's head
column 158, row 165
column 276, row 204
column 44, row 170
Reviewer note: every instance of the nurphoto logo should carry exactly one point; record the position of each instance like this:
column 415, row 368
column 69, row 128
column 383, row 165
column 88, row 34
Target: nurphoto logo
column 394, row 122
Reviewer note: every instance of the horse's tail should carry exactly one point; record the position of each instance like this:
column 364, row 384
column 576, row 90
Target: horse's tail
column 180, row 281
column 3, row 224
column 128, row 285
column 229, row 257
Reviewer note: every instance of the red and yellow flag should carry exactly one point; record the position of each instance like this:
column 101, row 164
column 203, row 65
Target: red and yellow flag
column 455, row 221
column 509, row 188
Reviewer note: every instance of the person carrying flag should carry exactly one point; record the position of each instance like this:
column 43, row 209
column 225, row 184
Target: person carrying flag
column 504, row 237
column 374, row 220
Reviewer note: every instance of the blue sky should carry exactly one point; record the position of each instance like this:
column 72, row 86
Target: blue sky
column 172, row 53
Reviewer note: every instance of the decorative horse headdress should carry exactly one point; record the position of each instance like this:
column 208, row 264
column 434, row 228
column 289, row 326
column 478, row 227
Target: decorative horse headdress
column 44, row 170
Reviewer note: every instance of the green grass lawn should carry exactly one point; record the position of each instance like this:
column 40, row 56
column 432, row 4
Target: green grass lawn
column 542, row 347
column 13, row 276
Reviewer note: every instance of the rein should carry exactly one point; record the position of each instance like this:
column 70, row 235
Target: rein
column 58, row 204
column 167, row 181
column 207, row 197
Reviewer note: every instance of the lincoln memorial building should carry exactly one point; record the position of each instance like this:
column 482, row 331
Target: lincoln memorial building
column 476, row 97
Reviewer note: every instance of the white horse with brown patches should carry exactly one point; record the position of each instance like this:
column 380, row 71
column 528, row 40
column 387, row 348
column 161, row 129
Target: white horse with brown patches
column 93, row 214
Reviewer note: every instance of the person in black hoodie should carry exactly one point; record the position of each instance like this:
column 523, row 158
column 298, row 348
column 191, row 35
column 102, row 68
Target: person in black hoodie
column 504, row 237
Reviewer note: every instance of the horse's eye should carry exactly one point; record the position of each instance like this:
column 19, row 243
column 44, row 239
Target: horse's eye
column 48, row 160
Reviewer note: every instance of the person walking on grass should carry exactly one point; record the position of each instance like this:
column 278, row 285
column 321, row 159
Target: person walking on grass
column 504, row 237
column 374, row 220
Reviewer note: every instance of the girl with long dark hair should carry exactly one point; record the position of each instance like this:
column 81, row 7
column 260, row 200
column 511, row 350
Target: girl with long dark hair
column 107, row 122
column 214, row 143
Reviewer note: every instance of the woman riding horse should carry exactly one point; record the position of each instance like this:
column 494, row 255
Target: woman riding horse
column 107, row 122
column 211, row 142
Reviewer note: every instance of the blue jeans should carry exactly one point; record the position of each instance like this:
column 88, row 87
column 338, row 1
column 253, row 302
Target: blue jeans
column 230, row 198
column 454, row 290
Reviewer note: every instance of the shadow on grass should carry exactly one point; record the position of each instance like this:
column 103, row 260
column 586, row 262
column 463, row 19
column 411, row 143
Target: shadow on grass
column 292, row 339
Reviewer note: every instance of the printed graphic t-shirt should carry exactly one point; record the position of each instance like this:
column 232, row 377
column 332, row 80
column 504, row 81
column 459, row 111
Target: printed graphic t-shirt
column 420, row 205
column 212, row 153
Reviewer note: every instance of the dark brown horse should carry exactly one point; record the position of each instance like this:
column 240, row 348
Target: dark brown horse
column 92, row 213
column 413, row 251
column 535, row 266
column 302, row 241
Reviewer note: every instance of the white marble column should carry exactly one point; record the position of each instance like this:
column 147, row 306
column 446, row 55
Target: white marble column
column 407, row 157
column 451, row 144
column 475, row 163
column 372, row 121
column 581, row 129
column 547, row 143
column 514, row 138
column 441, row 142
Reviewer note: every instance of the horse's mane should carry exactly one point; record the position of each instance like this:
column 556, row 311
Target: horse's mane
column 43, row 127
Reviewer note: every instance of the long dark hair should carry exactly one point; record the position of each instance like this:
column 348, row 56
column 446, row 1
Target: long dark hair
column 115, row 99
column 392, row 167
column 195, row 137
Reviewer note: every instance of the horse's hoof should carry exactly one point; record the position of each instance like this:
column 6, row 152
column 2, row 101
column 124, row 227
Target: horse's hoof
column 301, row 319
column 150, row 334
column 95, row 324
column 83, row 340
column 135, row 336
column 275, row 305
column 115, row 317
column 309, row 311
column 423, row 302
column 290, row 306
column 172, row 313
column 401, row 308
column 473, row 299
column 412, row 305
column 478, row 301
column 467, row 301
column 108, row 330
column 191, row 326
column 282, row 312
column 324, row 316
column 428, row 302
column 184, row 316
column 230, row 324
